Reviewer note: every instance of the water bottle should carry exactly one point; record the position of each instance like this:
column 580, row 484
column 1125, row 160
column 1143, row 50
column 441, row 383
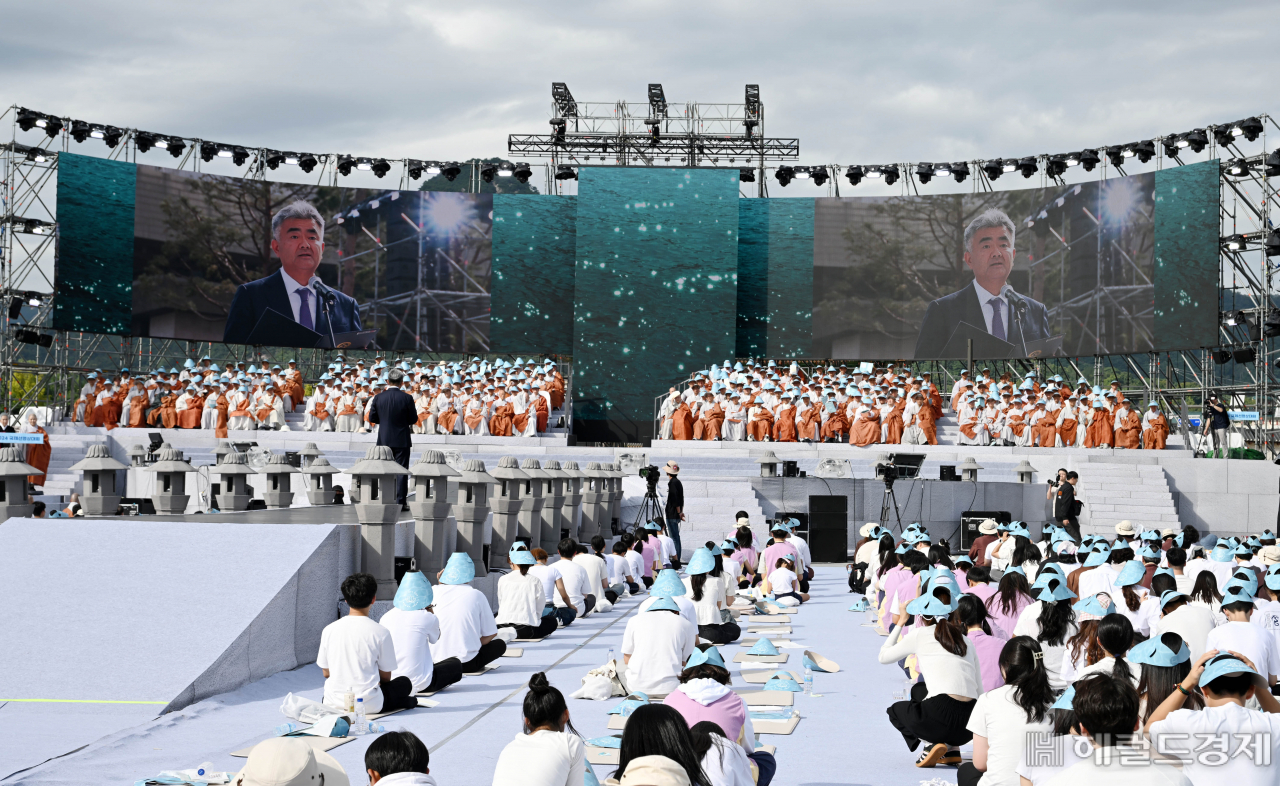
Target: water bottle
column 206, row 769
column 808, row 681
column 376, row 728
column 609, row 659
column 349, row 700
column 361, row 726
column 281, row 730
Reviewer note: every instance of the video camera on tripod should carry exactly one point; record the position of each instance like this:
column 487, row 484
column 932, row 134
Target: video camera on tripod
column 650, row 507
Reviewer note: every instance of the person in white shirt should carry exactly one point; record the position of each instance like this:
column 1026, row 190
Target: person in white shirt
column 357, row 654
column 723, row 762
column 1266, row 607
column 549, row 576
column 597, row 572
column 667, row 584
column 1050, row 620
column 1190, row 621
column 398, row 758
column 1177, row 559
column 1238, row 635
column 784, row 583
column 655, row 646
column 708, row 594
column 1228, row 681
column 521, row 602
column 1004, row 719
column 573, row 597
column 467, row 628
column 635, row 565
column 613, row 588
column 1106, row 711
column 668, row 555
column 414, row 628
column 620, row 574
column 548, row 751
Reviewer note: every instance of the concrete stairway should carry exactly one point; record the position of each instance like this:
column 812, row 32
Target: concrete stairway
column 68, row 449
column 1115, row 492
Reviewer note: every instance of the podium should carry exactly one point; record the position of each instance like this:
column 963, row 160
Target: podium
column 278, row 330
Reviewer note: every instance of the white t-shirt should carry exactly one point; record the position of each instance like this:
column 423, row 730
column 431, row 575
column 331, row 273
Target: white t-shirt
column 575, row 584
column 706, row 610
column 1073, row 749
column 1184, row 734
column 1118, row 771
column 1266, row 615
column 802, row 548
column 687, row 609
column 635, row 565
column 547, row 574
column 596, row 571
column 783, row 580
column 1192, row 622
column 354, row 649
column 1250, row 641
column 727, row 764
column 998, row 717
column 659, row 643
column 668, row 549
column 544, row 758
column 520, row 599
column 618, row 569
column 413, row 633
column 1028, row 624
column 465, row 616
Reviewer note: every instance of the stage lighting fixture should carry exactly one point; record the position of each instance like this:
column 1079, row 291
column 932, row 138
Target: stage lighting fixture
column 29, row 119
column 208, row 151
column 1271, row 167
column 506, row 169
column 655, row 130
column 345, row 165
column 557, row 130
column 415, row 168
column 924, row 172
column 784, row 174
column 801, row 173
column 566, row 172
column 110, row 135
column 307, row 162
column 1221, row 356
column 15, row 307
column 381, row 167
column 145, row 140
column 488, row 171
column 38, row 155
column 79, row 130
column 1056, row 166
column 819, row 175
column 1238, row 167
column 855, row 174
column 26, row 336
column 1115, row 154
column 239, row 155
column 34, row 226
column 33, row 299
column 523, row 172
column 1244, row 355
column 960, row 171
column 993, row 169
column 451, row 171
column 1223, row 136
column 1028, row 166
column 1196, row 139
column 1249, row 128
column 1233, row 318
column 364, row 164
column 1273, row 243
column 275, row 158
column 750, row 123
column 1172, row 145
column 1144, row 150
column 52, row 125
column 1235, row 243
column 891, row 174
column 1089, row 159
column 746, row 175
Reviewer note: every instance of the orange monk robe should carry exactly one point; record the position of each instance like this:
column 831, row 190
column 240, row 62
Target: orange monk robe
column 1153, row 438
column 1067, row 431
column 969, row 427
column 167, row 414
column 320, row 411
column 138, row 410
column 837, row 425
column 445, row 420
column 1045, row 432
column 220, row 425
column 1130, row 432
column 762, row 426
column 265, row 409
column 109, row 412
column 1099, row 432
column 784, row 424
column 1017, row 421
column 811, row 423
column 38, row 457
column 557, row 391
column 519, row 422
column 893, row 424
column 866, row 430
column 190, row 417
column 297, row 396
column 928, row 420
column 500, row 421
column 682, row 422
column 711, row 423
column 472, row 418
column 543, row 412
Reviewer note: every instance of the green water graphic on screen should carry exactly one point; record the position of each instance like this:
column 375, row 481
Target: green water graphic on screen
column 533, row 242
column 656, row 289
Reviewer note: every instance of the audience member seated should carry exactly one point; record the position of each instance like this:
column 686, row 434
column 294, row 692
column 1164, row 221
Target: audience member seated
column 710, row 597
column 655, row 646
column 1006, row 718
column 414, row 628
column 521, row 603
column 548, row 750
column 289, row 761
column 358, row 654
column 467, row 629
column 573, row 597
column 657, row 750
column 397, row 758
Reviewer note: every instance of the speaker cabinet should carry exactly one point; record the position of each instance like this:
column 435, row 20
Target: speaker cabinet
column 829, row 528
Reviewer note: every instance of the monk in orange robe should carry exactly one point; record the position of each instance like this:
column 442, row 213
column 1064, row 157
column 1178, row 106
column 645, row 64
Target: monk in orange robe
column 320, row 412
column 1044, row 432
column 762, row 427
column 1128, row 427
column 190, row 417
column 928, row 419
column 836, row 427
column 473, row 417
column 682, row 422
column 712, row 422
column 557, row 391
column 445, row 420
column 542, row 411
column 1157, row 429
column 220, row 425
column 1067, row 431
column 138, row 411
column 38, row 455
column 784, row 425
column 109, row 413
column 811, row 422
column 1099, row 432
column 893, row 423
column 866, row 429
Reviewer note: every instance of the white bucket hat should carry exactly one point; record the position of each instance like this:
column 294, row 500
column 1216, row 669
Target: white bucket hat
column 988, row 527
column 289, row 761
column 1125, row 528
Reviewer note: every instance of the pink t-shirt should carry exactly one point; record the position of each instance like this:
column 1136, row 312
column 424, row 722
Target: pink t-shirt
column 769, row 560
column 982, row 591
column 1002, row 622
column 650, row 552
column 729, row 712
column 989, row 648
column 747, row 558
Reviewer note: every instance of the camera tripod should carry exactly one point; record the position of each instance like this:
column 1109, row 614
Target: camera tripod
column 650, row 507
column 889, row 500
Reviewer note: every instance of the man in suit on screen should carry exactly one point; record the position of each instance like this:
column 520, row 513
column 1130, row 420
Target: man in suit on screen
column 295, row 291
column 989, row 302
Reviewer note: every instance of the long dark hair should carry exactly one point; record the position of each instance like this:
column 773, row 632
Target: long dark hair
column 1055, row 620
column 972, row 612
column 938, row 556
column 914, row 561
column 1086, row 639
column 1022, row 664
column 743, row 536
column 947, row 633
column 1013, row 587
column 701, row 735
column 1157, row 682
column 659, row 730
column 1206, row 588
column 1131, row 598
column 1024, row 551
column 888, row 561
column 544, row 705
column 696, row 582
column 1115, row 635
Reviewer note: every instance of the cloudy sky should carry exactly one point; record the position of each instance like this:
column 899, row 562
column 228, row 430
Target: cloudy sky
column 856, row 82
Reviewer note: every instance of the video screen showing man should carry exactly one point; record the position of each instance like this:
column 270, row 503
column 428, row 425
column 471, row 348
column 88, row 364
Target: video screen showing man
column 989, row 302
column 294, row 291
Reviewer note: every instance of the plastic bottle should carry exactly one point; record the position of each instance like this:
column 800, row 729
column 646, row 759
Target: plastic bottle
column 204, row 770
column 349, row 700
column 376, row 728
column 361, row 725
column 282, row 730
column 808, row 681
column 609, row 659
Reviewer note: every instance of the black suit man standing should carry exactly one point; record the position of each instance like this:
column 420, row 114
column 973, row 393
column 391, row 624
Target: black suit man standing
column 394, row 412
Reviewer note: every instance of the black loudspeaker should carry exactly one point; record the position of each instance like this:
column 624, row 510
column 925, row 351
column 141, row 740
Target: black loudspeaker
column 947, row 472
column 829, row 528
column 971, row 519
column 790, row 469
column 257, row 504
column 294, row 458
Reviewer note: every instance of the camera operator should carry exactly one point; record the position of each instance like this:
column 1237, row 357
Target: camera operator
column 1215, row 417
column 675, row 507
column 1066, row 508
column 1054, row 482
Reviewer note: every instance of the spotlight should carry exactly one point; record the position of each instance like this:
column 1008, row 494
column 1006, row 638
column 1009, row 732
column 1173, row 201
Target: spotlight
column 1271, row 168
column 26, row 336
column 819, row 175
column 960, row 171
column 381, row 167
column 29, row 119
column 924, row 172
column 557, row 130
column 784, row 175
column 1223, row 136
column 1238, row 167
column 79, row 130
column 891, row 174
column 1172, row 145
column 855, row 174
column 415, row 169
column 345, row 164
column 1089, row 159
column 487, row 172
column 655, row 130
column 34, row 226
column 1115, row 154
column 145, row 141
column 208, row 151
column 993, row 169
column 1144, row 150
column 238, row 155
column 567, row 172
column 452, row 170
column 1233, row 318
column 15, row 307
column 1195, row 139
column 1244, row 355
column 505, row 169
column 746, row 175
column 274, row 158
column 51, row 125
column 307, row 162
column 1028, row 166
column 1273, row 243
column 111, row 135
column 941, row 170
column 38, row 155
column 33, row 299
column 1249, row 128
column 1221, row 356
column 1235, row 243
column 802, row 173
column 1056, row 166
column 523, row 172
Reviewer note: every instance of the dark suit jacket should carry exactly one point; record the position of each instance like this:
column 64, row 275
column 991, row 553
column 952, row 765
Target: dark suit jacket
column 253, row 299
column 394, row 412
column 944, row 314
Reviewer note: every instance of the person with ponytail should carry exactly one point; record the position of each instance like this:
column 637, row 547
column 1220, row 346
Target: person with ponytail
column 972, row 614
column 521, row 602
column 724, row 763
column 937, row 711
column 1083, row 649
column 1050, row 620
column 1165, row 661
column 708, row 593
column 1003, row 719
column 1006, row 605
column 1132, row 594
column 548, row 751
column 1114, row 637
column 656, row 750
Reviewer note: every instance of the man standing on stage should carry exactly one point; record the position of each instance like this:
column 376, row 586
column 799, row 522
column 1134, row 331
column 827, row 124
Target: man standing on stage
column 675, row 507
column 1064, row 505
column 394, row 413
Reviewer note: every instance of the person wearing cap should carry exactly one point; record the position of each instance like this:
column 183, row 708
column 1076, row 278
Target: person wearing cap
column 674, row 506
column 1155, row 427
column 357, row 654
column 289, row 761
column 987, row 534
column 783, row 583
column 657, row 642
column 1238, row 635
column 777, row 549
column 522, row 601
column 467, row 628
column 1228, row 681
column 703, row 694
column 414, row 628
column 1050, row 620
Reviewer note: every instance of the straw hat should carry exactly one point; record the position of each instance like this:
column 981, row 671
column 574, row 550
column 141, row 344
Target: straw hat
column 671, row 468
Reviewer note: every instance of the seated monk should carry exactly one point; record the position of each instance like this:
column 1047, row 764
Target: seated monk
column 810, row 424
column 1067, row 428
column 1155, row 428
column 1100, row 432
column 760, row 423
column 836, row 425
column 682, row 422
column 542, row 410
column 1128, row 428
column 1044, row 432
column 784, row 426
column 866, row 429
column 927, row 418
column 893, row 424
column 500, row 421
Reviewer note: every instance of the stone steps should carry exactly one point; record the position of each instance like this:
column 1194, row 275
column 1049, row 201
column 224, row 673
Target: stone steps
column 1135, row 492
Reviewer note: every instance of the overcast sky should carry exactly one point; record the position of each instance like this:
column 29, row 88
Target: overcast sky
column 856, row 82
